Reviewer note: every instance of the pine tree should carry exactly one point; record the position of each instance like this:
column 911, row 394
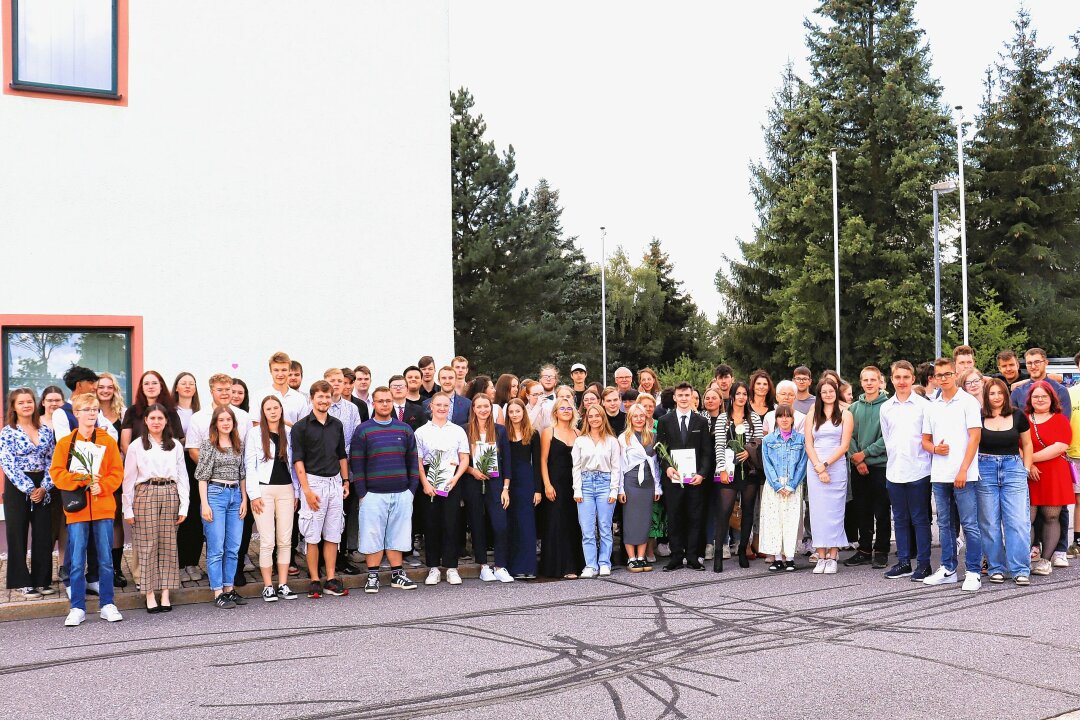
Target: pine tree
column 1023, row 242
column 871, row 96
column 677, row 316
column 635, row 306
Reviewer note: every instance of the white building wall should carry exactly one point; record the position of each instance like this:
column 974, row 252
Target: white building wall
column 279, row 180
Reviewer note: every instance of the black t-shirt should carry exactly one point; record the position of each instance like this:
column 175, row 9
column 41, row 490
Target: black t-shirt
column 618, row 422
column 1004, row 442
column 280, row 475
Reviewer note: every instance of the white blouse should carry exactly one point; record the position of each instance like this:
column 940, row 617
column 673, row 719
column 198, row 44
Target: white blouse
column 141, row 465
column 635, row 457
column 605, row 456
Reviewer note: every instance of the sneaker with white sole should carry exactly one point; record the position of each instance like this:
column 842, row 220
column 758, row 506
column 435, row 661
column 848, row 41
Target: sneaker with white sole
column 587, row 573
column 605, row 570
column 830, row 566
column 1059, row 559
column 819, row 566
column 284, row 592
column 75, row 618
column 727, row 552
column 110, row 613
column 30, row 593
column 941, row 576
column 434, row 577
column 709, row 550
column 400, row 581
column 486, row 573
column 1074, row 549
column 268, row 594
column 972, row 582
column 1042, row 566
column 452, row 576
column 46, row 591
column 503, row 576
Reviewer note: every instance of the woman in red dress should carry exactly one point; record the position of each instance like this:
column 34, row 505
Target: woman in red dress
column 1050, row 478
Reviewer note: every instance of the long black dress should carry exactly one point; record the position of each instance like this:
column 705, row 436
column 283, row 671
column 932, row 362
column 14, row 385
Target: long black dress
column 525, row 482
column 561, row 551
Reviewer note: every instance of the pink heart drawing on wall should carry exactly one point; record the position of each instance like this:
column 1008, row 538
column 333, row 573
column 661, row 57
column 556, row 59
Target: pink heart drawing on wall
column 235, row 365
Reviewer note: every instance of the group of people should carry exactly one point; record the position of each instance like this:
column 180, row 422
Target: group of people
column 540, row 475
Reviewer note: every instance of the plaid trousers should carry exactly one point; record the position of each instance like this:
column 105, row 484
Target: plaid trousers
column 156, row 508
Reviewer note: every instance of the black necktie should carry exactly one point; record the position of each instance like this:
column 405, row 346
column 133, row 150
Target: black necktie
column 683, row 419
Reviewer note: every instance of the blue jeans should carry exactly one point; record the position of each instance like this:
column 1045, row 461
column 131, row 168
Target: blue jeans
column 79, row 536
column 222, row 534
column 1002, row 494
column 911, row 509
column 967, row 506
column 595, row 509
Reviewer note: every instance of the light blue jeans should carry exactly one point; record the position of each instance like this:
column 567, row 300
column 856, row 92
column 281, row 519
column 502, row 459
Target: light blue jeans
column 80, row 535
column 1004, row 514
column 592, row 511
column 222, row 534
column 969, row 520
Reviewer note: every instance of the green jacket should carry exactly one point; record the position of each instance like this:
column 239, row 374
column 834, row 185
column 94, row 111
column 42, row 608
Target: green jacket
column 866, row 436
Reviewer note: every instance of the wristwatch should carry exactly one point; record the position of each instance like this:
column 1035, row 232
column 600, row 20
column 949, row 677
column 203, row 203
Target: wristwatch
column 825, row 463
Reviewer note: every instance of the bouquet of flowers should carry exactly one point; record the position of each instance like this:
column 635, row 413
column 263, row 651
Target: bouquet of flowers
column 665, row 455
column 85, row 465
column 488, row 463
column 436, row 473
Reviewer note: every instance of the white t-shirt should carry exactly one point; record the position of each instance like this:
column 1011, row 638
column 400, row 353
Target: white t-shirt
column 949, row 421
column 199, row 427
column 293, row 402
column 450, row 439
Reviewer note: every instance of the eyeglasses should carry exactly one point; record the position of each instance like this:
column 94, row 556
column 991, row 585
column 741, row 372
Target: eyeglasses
column 548, row 377
column 1036, row 362
column 944, row 375
column 536, row 395
column 397, row 386
column 91, row 411
column 973, row 382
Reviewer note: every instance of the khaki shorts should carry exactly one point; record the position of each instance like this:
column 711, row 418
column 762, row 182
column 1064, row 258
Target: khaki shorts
column 327, row 522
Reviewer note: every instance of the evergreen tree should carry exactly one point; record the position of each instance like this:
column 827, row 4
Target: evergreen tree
column 678, row 313
column 635, row 305
column 1024, row 242
column 871, row 96
column 1068, row 86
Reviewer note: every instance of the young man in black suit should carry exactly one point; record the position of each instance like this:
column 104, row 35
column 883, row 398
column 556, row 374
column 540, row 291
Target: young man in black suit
column 459, row 405
column 684, row 429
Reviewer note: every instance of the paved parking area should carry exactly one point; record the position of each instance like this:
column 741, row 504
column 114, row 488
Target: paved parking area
column 658, row 645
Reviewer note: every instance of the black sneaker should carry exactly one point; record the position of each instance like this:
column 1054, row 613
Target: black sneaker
column 857, row 559
column 268, row 594
column 285, row 592
column 237, row 598
column 777, row 566
column 881, row 560
column 118, row 579
column 921, row 573
column 898, row 570
column 335, row 587
column 315, row 590
column 789, row 566
column 372, row 584
column 224, row 601
column 345, row 567
column 401, row 581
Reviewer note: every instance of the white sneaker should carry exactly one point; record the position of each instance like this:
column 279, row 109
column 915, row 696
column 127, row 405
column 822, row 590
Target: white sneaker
column 1060, row 559
column 75, row 617
column 605, row 570
column 502, row 576
column 830, row 566
column 93, row 588
column 434, row 577
column 452, row 576
column 30, row 593
column 941, row 576
column 709, row 550
column 587, row 573
column 110, row 613
column 819, row 567
column 727, row 552
column 1042, row 566
column 650, row 558
column 972, row 582
column 486, row 574
column 663, row 550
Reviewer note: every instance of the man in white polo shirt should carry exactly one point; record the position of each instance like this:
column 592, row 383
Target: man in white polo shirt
column 952, row 427
column 293, row 402
column 907, row 474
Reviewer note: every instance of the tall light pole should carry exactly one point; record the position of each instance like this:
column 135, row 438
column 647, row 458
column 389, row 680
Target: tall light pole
column 836, row 258
column 938, row 189
column 963, row 215
column 603, row 305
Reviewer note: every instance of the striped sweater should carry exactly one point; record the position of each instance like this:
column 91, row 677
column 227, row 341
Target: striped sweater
column 382, row 458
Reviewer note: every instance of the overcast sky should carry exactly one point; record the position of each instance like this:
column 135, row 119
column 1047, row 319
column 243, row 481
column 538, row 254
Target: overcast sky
column 646, row 115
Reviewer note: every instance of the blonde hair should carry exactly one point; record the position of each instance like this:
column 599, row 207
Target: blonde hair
column 279, row 358
column 605, row 425
column 86, row 400
column 554, row 414
column 646, row 433
column 117, row 404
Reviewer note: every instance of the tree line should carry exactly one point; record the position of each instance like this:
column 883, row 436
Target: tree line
column 525, row 294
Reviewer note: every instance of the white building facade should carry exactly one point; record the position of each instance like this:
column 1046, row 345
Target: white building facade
column 259, row 176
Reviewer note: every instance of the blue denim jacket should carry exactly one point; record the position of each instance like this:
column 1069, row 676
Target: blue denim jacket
column 784, row 459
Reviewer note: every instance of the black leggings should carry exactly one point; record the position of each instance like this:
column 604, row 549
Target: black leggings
column 1051, row 529
column 725, row 505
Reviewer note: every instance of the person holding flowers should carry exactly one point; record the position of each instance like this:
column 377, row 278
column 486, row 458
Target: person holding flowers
column 443, row 451
column 487, row 492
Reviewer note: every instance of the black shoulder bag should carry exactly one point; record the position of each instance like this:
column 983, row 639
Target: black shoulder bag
column 75, row 500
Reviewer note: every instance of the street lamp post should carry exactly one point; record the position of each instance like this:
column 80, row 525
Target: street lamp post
column 938, row 189
column 836, row 259
column 603, row 304
column 963, row 216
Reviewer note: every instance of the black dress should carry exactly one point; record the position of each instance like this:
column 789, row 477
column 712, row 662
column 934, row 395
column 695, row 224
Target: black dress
column 561, row 552
column 525, row 482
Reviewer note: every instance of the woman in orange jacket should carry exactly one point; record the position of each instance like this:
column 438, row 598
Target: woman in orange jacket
column 94, row 467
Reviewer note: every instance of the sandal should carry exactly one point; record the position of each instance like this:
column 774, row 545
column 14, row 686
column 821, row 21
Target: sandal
column 997, row 578
column 1022, row 580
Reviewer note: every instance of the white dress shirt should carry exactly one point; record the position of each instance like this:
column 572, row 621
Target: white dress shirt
column 605, row 456
column 293, row 402
column 199, row 427
column 901, row 428
column 141, row 465
column 347, row 412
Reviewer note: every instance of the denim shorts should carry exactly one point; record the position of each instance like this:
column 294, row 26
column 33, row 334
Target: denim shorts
column 386, row 522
